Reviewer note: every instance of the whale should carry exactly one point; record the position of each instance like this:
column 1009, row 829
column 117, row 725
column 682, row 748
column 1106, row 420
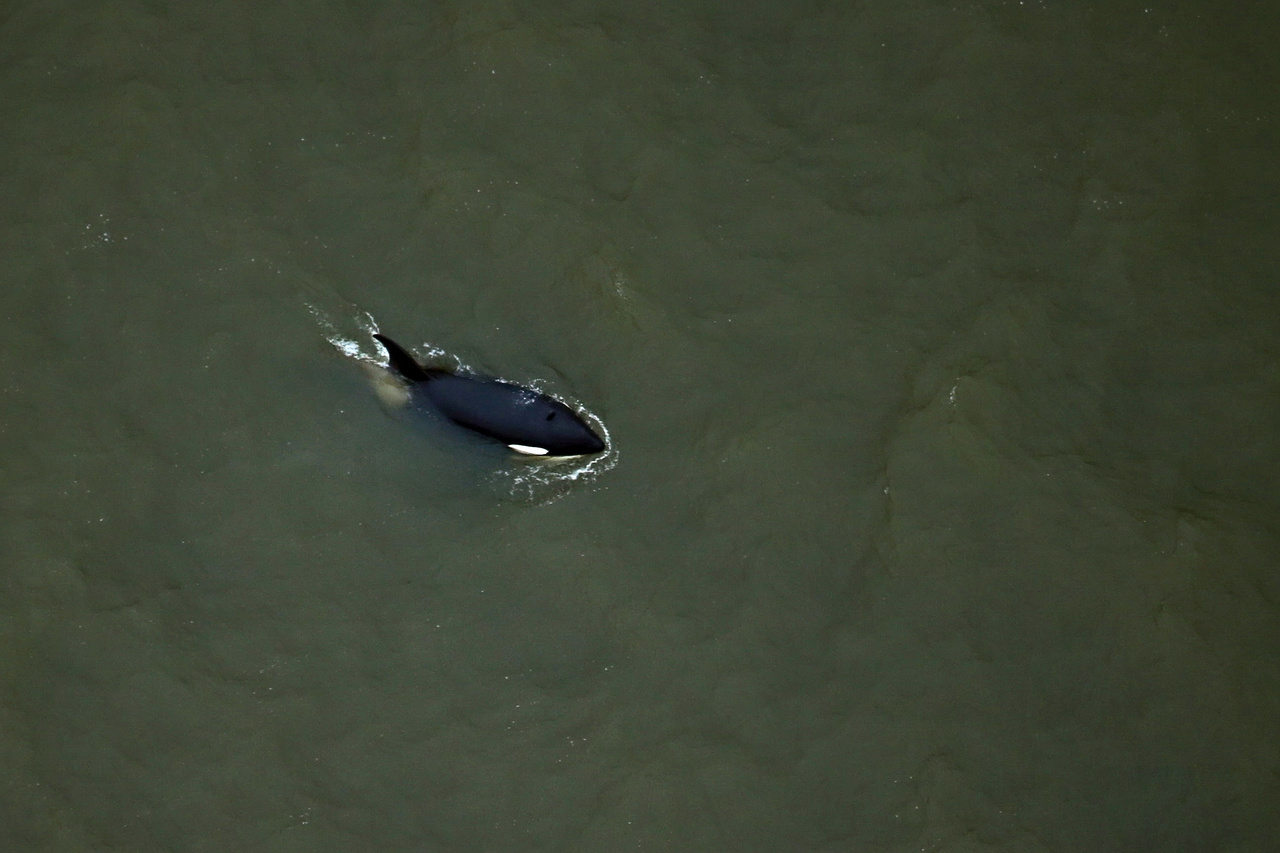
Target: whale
column 527, row 421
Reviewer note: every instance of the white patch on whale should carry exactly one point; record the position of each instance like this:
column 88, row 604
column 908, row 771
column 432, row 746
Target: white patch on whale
column 527, row 450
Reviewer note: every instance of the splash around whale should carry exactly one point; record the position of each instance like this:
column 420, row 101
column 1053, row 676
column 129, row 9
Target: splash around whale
column 527, row 421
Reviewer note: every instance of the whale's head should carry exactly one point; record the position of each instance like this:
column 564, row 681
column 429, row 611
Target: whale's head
column 560, row 432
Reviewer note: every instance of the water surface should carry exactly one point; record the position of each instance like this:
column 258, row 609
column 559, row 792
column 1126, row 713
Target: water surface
column 937, row 346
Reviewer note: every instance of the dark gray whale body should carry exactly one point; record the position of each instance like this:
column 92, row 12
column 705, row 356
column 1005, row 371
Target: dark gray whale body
column 525, row 420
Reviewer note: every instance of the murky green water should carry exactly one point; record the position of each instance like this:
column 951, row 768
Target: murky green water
column 937, row 346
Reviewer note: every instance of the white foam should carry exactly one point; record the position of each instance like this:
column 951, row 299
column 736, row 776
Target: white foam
column 350, row 347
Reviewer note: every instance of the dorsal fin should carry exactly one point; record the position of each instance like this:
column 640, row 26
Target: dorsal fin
column 401, row 362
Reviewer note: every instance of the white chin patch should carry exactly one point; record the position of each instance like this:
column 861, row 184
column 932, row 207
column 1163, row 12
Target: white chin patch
column 527, row 450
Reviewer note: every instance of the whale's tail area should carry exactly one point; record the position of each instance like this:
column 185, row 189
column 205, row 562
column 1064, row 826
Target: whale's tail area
column 401, row 362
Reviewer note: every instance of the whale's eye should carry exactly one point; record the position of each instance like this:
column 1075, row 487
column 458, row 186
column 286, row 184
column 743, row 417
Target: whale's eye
column 550, row 416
